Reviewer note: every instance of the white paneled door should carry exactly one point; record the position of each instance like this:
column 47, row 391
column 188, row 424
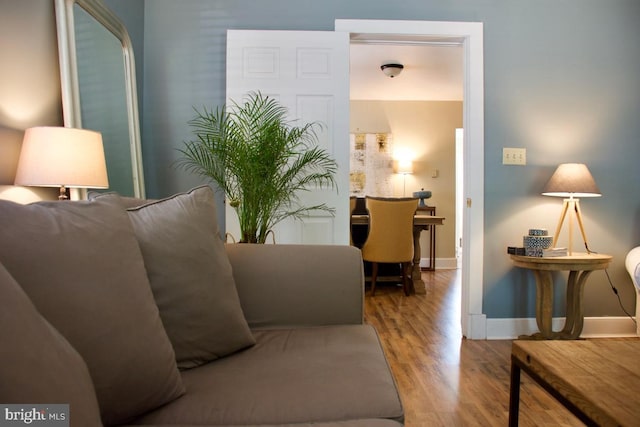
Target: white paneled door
column 306, row 71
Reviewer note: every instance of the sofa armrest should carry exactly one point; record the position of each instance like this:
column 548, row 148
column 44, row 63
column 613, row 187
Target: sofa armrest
column 632, row 263
column 298, row 285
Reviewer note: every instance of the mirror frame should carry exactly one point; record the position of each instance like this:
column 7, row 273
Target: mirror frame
column 69, row 75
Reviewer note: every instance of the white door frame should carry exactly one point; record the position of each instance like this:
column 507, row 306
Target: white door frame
column 470, row 36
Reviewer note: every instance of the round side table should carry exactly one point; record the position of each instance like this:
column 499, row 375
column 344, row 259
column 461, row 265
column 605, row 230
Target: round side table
column 580, row 266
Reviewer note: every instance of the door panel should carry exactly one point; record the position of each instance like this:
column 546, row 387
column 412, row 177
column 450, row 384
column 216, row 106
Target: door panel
column 307, row 72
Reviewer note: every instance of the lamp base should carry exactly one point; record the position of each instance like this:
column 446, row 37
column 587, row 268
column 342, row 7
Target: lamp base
column 63, row 193
column 572, row 206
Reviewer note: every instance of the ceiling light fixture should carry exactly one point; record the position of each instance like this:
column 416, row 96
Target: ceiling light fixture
column 392, row 70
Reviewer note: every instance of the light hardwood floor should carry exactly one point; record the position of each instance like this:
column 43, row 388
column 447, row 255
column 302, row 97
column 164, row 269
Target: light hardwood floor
column 445, row 380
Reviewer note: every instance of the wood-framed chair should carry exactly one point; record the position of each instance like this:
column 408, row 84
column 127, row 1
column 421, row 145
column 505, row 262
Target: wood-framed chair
column 390, row 238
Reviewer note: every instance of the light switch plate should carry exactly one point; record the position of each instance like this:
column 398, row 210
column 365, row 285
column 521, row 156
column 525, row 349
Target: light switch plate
column 514, row 156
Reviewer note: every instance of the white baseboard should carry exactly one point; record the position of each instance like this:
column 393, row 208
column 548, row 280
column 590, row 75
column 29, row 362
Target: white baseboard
column 594, row 327
column 441, row 263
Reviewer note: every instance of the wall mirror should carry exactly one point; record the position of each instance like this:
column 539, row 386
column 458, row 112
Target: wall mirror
column 97, row 70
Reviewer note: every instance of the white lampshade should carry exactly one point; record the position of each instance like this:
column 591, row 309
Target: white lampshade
column 62, row 157
column 571, row 180
column 405, row 167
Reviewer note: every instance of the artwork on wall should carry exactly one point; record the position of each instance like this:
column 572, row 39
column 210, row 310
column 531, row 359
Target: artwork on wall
column 371, row 164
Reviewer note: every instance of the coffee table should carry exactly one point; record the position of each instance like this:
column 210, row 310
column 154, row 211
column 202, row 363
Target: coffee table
column 597, row 380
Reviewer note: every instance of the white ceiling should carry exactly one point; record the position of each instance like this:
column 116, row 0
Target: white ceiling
column 432, row 72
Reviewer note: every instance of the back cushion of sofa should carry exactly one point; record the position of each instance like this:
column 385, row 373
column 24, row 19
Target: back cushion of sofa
column 80, row 264
column 37, row 364
column 125, row 201
column 191, row 276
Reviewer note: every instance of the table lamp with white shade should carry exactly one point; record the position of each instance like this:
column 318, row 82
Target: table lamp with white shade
column 571, row 181
column 404, row 168
column 62, row 157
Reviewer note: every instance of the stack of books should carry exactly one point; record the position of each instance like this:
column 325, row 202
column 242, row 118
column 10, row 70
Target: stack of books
column 555, row 252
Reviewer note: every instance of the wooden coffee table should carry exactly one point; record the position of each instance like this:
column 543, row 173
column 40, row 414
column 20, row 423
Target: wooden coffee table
column 597, row 380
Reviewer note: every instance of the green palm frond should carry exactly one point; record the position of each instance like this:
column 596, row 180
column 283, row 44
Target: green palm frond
column 260, row 160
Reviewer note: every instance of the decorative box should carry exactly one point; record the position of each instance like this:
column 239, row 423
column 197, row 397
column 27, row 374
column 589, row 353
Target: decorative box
column 538, row 232
column 536, row 242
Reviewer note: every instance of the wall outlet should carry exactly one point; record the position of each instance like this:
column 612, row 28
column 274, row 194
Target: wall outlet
column 514, row 156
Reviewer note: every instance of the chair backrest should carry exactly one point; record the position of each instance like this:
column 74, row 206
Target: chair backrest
column 390, row 236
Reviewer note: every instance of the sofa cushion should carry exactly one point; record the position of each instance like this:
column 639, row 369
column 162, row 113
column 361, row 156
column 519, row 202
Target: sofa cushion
column 81, row 265
column 191, row 276
column 37, row 364
column 370, row 422
column 125, row 201
column 351, row 423
column 283, row 285
column 318, row 374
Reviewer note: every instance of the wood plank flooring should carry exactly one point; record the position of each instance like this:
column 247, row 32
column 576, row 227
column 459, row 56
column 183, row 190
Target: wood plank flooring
column 445, row 380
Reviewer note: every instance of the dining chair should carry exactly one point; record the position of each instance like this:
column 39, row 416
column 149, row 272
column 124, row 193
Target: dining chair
column 390, row 238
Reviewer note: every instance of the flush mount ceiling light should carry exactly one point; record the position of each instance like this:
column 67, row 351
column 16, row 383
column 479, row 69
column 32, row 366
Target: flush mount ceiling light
column 391, row 70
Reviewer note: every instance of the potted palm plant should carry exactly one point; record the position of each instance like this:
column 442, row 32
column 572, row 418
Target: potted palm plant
column 260, row 160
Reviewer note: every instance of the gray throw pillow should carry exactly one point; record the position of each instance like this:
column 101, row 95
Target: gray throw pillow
column 191, row 276
column 125, row 201
column 80, row 264
column 37, row 364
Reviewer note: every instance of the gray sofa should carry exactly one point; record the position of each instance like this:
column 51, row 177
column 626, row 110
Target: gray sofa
column 136, row 313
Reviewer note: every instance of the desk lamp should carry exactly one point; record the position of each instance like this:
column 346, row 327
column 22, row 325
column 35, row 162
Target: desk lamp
column 571, row 180
column 62, row 157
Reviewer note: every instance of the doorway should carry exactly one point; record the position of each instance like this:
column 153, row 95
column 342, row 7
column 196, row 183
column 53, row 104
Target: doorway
column 470, row 36
column 417, row 113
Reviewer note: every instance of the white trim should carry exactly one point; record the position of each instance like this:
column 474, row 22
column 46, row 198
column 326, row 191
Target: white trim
column 470, row 35
column 594, row 327
column 477, row 327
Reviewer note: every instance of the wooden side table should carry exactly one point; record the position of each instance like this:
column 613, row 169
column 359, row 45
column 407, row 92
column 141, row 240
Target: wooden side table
column 580, row 266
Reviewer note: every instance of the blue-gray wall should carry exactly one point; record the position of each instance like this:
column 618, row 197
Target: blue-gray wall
column 562, row 79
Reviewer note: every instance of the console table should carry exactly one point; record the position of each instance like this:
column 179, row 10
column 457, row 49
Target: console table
column 597, row 380
column 430, row 210
column 580, row 266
